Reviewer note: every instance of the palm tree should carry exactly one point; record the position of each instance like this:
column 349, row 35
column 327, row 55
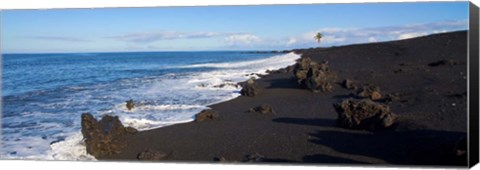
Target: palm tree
column 318, row 37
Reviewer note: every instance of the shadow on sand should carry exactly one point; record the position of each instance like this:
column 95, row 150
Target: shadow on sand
column 282, row 83
column 303, row 121
column 416, row 147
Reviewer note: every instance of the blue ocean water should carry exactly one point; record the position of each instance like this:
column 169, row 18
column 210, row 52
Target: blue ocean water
column 43, row 95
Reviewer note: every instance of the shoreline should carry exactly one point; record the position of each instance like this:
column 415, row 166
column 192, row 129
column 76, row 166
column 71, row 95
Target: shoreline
column 57, row 151
column 303, row 128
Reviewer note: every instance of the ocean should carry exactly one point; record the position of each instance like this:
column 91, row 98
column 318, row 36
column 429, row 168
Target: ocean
column 43, row 95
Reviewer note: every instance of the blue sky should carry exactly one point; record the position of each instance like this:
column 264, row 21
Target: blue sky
column 274, row 27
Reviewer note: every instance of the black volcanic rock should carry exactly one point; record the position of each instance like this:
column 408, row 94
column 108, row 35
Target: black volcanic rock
column 394, row 97
column 314, row 76
column 364, row 114
column 130, row 104
column 263, row 109
column 249, row 88
column 105, row 137
column 301, row 69
column 349, row 84
column 151, row 155
column 206, row 114
column 371, row 92
column 256, row 157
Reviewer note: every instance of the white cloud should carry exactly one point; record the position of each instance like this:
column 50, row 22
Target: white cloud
column 333, row 39
column 60, row 38
column 242, row 40
column 147, row 37
column 292, row 41
column 342, row 36
column 439, row 31
column 411, row 35
column 332, row 36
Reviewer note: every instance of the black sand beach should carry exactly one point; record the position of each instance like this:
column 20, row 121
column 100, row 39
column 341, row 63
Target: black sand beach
column 427, row 74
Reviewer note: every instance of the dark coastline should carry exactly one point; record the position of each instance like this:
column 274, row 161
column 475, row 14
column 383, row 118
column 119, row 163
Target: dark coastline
column 432, row 109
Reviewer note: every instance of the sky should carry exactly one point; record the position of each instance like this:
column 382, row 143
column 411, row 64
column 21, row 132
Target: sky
column 265, row 27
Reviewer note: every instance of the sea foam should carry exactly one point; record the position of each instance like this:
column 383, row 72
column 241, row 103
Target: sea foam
column 161, row 101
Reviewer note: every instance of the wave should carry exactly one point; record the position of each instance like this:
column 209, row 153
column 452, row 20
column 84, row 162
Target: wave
column 54, row 122
column 271, row 62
